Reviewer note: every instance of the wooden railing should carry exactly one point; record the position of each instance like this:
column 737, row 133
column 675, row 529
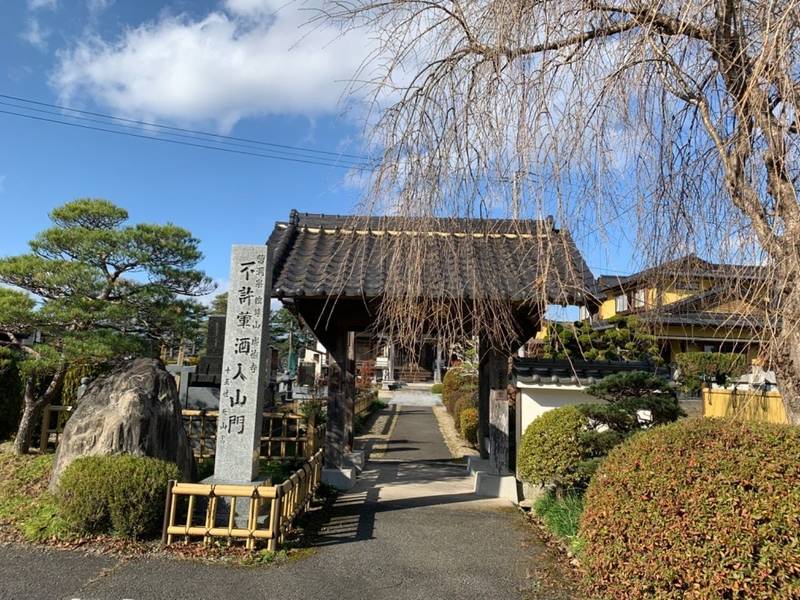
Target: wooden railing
column 54, row 417
column 283, row 435
column 281, row 504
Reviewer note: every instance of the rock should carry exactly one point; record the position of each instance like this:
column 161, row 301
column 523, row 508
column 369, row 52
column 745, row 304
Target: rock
column 132, row 410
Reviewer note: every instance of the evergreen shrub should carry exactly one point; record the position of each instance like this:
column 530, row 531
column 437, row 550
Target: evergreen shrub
column 552, row 451
column 700, row 508
column 119, row 494
column 466, row 399
column 456, row 382
column 468, row 424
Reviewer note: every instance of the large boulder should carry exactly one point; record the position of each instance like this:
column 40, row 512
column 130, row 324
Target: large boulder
column 132, row 410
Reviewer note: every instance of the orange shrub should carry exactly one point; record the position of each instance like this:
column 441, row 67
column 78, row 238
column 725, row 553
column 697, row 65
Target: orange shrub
column 701, row 508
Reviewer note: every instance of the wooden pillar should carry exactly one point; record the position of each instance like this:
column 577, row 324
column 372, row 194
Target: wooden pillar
column 341, row 397
column 492, row 375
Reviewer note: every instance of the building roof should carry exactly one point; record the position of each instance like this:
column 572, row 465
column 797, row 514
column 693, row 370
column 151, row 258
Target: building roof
column 316, row 255
column 682, row 271
column 532, row 371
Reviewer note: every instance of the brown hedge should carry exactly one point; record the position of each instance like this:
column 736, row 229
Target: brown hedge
column 701, row 508
column 456, row 383
column 468, row 425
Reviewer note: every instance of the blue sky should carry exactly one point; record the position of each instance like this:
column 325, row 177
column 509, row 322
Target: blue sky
column 247, row 68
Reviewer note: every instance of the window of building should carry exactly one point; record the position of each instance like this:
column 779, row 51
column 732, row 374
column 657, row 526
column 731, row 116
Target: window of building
column 639, row 298
column 621, row 303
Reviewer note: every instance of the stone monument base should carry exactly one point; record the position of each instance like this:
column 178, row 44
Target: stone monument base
column 341, row 479
column 492, row 485
column 496, row 486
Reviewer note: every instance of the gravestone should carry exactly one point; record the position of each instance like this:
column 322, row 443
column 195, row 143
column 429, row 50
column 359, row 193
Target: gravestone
column 215, row 340
column 498, row 431
column 245, row 366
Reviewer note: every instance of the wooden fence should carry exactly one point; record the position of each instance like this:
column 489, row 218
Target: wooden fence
column 283, row 435
column 363, row 401
column 54, row 417
column 271, row 509
column 751, row 405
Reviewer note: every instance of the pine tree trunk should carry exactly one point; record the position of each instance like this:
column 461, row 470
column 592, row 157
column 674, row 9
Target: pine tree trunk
column 30, row 410
column 32, row 406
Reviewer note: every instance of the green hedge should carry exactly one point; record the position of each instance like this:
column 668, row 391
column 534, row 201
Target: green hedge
column 120, row 494
column 467, row 399
column 718, row 367
column 552, row 451
column 437, row 388
column 701, row 508
column 468, row 425
column 456, row 383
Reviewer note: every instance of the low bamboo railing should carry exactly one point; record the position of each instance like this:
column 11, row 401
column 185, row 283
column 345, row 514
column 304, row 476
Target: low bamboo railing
column 270, row 513
column 54, row 417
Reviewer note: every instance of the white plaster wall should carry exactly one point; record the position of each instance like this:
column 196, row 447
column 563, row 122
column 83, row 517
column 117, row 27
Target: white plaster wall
column 533, row 401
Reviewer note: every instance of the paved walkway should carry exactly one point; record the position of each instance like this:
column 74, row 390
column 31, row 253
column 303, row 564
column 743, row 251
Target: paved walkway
column 411, row 529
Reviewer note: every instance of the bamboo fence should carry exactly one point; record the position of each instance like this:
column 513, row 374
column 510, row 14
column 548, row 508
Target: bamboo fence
column 271, row 509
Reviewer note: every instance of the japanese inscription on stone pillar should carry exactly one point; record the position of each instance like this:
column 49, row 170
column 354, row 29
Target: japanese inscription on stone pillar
column 498, row 431
column 245, row 365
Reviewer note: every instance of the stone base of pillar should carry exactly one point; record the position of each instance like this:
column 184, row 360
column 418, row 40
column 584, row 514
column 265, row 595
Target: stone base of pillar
column 341, row 479
column 497, row 486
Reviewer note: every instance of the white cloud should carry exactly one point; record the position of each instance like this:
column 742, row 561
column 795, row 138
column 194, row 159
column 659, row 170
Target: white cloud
column 37, row 4
column 247, row 58
column 96, row 7
column 35, row 34
column 254, row 7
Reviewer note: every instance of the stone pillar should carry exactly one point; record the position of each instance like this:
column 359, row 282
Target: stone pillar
column 335, row 436
column 437, row 367
column 245, row 365
column 391, row 361
column 492, row 375
column 498, row 431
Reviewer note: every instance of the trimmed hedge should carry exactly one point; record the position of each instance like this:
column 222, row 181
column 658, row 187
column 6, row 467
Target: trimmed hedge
column 120, row 494
column 456, row 382
column 701, row 508
column 437, row 388
column 552, row 450
column 467, row 399
column 469, row 424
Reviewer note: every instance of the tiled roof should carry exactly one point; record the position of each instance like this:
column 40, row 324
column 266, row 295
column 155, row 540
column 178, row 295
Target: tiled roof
column 533, row 371
column 319, row 255
column 703, row 319
column 682, row 271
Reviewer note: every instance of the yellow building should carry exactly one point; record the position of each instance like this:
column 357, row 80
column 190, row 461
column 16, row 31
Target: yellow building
column 690, row 304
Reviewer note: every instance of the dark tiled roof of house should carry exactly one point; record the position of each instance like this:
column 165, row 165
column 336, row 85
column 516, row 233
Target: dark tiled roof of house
column 702, row 319
column 534, row 371
column 319, row 255
column 683, row 272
